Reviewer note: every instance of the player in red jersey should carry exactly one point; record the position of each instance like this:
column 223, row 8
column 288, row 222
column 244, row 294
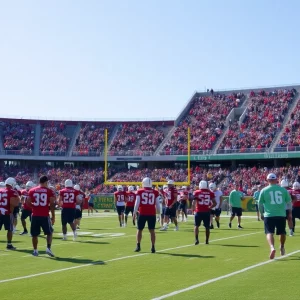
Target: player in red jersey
column 147, row 203
column 130, row 201
column 26, row 210
column 79, row 207
column 40, row 199
column 9, row 199
column 68, row 199
column 295, row 194
column 183, row 199
column 284, row 183
column 204, row 201
column 120, row 197
column 171, row 200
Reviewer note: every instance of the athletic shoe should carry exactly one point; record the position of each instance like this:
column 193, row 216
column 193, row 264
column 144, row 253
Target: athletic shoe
column 196, row 242
column 10, row 247
column 272, row 254
column 137, row 249
column 291, row 232
column 120, row 224
column 282, row 251
column 211, row 226
column 240, row 227
column 24, row 232
column 229, row 225
column 152, row 249
column 163, row 229
column 49, row 252
column 206, row 242
column 176, row 228
column 64, row 238
column 35, row 253
column 218, row 224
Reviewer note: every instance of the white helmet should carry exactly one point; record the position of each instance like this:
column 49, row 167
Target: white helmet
column 18, row 188
column 29, row 184
column 296, row 185
column 284, row 183
column 10, row 181
column 137, row 187
column 2, row 184
column 203, row 184
column 212, row 186
column 77, row 187
column 119, row 188
column 184, row 187
column 147, row 182
column 130, row 188
column 68, row 183
column 170, row 182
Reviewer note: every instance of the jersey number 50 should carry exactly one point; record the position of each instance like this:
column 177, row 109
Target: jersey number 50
column 148, row 198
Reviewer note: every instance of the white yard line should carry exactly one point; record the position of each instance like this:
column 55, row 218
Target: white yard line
column 114, row 259
column 195, row 286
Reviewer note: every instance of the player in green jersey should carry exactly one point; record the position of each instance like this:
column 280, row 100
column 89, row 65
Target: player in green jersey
column 272, row 202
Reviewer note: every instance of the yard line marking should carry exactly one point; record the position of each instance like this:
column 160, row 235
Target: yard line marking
column 114, row 259
column 195, row 286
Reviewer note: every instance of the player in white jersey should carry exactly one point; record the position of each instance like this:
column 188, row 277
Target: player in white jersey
column 216, row 211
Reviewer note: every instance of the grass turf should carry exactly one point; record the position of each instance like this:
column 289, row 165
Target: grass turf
column 102, row 264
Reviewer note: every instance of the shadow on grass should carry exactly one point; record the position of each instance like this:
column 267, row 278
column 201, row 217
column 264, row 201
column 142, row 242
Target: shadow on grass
column 238, row 246
column 92, row 242
column 13, row 242
column 185, row 255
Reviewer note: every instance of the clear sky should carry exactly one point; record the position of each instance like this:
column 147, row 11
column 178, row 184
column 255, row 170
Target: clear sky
column 139, row 59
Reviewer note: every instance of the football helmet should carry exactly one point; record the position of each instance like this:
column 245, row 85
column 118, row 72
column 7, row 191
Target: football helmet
column 68, row 183
column 296, row 185
column 203, row 184
column 147, row 182
column 10, row 181
column 170, row 182
column 120, row 188
column 29, row 184
column 77, row 187
column 212, row 186
column 130, row 188
column 284, row 183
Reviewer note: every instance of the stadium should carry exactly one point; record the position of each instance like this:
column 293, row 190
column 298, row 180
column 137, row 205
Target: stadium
column 222, row 137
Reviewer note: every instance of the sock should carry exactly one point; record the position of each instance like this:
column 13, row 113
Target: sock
column 138, row 245
column 49, row 246
column 272, row 248
column 197, row 237
column 8, row 242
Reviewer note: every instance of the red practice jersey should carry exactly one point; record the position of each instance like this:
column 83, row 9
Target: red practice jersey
column 25, row 194
column 296, row 194
column 40, row 200
column 121, row 196
column 203, row 199
column 131, row 196
column 171, row 195
column 68, row 195
column 184, row 195
column 148, row 199
column 5, row 195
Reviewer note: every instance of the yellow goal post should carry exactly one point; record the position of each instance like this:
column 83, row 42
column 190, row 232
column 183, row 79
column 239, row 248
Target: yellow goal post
column 188, row 182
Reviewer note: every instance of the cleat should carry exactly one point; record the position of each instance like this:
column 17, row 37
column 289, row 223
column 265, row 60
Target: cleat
column 282, row 251
column 291, row 232
column 152, row 249
column 206, row 242
column 240, row 227
column 211, row 226
column 229, row 225
column 272, row 254
column 163, row 229
column 197, row 242
column 49, row 252
column 64, row 238
column 10, row 247
column 218, row 224
column 176, row 228
column 24, row 232
column 35, row 253
column 137, row 249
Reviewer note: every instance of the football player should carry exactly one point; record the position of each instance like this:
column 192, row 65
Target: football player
column 295, row 194
column 216, row 211
column 183, row 199
column 204, row 201
column 130, row 201
column 285, row 184
column 26, row 210
column 147, row 203
column 120, row 197
column 79, row 207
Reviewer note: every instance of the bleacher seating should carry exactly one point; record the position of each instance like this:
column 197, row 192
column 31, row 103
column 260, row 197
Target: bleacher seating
column 18, row 137
column 266, row 111
column 206, row 119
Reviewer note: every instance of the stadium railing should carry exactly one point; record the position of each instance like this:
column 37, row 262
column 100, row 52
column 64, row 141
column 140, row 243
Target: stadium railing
column 86, row 153
column 243, row 150
column 185, row 152
column 287, row 149
column 53, row 153
column 17, row 152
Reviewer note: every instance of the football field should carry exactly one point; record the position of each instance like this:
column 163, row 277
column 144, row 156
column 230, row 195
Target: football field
column 102, row 264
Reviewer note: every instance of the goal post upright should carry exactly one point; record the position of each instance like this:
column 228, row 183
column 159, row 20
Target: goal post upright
column 139, row 183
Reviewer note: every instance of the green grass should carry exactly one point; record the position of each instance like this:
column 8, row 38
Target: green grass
column 107, row 268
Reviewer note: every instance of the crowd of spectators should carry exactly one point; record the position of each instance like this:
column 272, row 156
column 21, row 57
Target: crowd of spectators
column 206, row 119
column 18, row 136
column 54, row 138
column 290, row 138
column 137, row 137
column 263, row 120
column 21, row 174
column 248, row 178
column 91, row 139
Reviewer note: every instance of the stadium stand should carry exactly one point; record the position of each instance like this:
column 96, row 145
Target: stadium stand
column 263, row 120
column 290, row 138
column 18, row 137
column 206, row 118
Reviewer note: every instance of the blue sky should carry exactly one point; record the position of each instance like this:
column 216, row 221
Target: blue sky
column 139, row 59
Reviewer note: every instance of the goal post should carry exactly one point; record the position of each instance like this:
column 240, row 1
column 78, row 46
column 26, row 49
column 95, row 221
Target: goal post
column 106, row 182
